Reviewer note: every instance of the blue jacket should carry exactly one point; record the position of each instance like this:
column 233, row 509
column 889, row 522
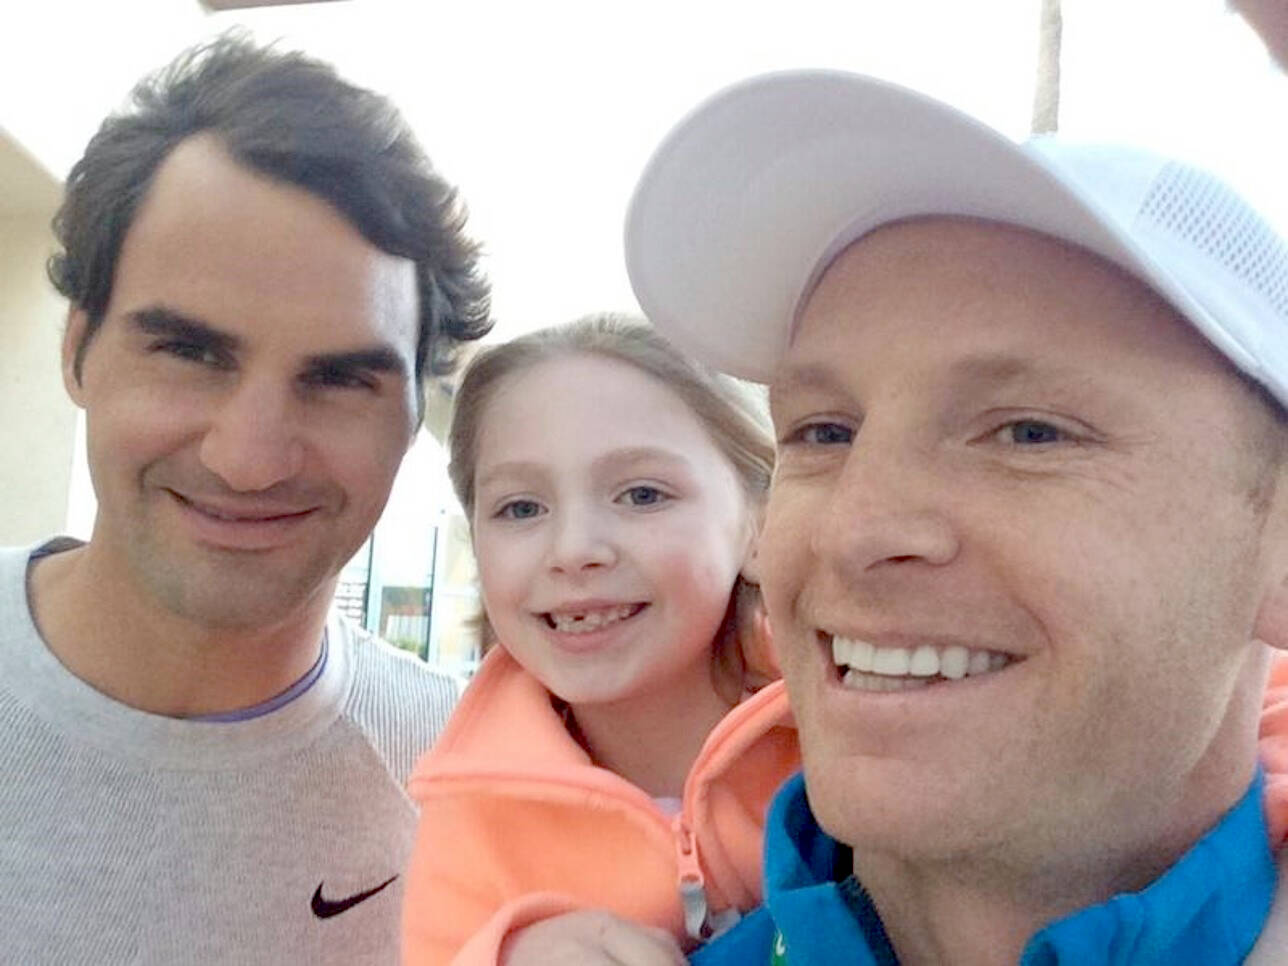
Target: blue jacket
column 1207, row 909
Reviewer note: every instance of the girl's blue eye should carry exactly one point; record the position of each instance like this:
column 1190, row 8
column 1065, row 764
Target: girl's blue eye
column 1033, row 432
column 521, row 509
column 642, row 496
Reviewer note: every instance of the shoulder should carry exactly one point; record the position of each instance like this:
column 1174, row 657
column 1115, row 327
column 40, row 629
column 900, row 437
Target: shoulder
column 13, row 564
column 399, row 702
column 15, row 560
column 506, row 715
column 17, row 592
column 384, row 669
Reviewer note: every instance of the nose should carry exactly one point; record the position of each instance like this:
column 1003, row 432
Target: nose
column 889, row 508
column 581, row 542
column 253, row 441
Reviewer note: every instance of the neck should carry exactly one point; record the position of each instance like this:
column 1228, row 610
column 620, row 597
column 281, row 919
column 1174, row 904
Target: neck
column 124, row 646
column 980, row 910
column 932, row 919
column 652, row 739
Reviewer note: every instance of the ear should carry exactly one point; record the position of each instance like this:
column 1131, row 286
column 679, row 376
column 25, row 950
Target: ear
column 73, row 334
column 750, row 569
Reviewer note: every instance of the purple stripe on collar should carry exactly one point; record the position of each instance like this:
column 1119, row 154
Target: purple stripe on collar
column 279, row 701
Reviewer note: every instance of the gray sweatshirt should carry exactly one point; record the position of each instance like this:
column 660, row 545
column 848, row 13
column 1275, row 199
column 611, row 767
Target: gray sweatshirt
column 131, row 838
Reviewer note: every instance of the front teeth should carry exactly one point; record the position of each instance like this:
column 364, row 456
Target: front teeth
column 858, row 681
column 592, row 620
column 227, row 517
column 925, row 661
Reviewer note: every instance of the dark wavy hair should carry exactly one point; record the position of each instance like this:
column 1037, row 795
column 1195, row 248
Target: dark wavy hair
column 290, row 117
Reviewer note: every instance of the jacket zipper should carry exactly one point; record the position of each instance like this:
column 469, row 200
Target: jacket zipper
column 698, row 921
column 692, row 883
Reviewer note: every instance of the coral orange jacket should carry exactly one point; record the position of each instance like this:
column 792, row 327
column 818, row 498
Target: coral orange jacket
column 1272, row 947
column 517, row 824
column 1274, row 752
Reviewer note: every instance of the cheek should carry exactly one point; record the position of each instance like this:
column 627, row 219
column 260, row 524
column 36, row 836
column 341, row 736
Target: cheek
column 784, row 551
column 135, row 428
column 363, row 460
column 1140, row 622
column 704, row 557
column 496, row 582
column 505, row 576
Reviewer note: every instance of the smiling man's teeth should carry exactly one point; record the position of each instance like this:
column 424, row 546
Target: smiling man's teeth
column 240, row 517
column 593, row 620
column 871, row 668
column 227, row 516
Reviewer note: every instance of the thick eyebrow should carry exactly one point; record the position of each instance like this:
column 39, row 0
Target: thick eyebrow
column 1051, row 380
column 989, row 368
column 381, row 358
column 162, row 321
column 992, row 368
column 805, row 378
column 159, row 320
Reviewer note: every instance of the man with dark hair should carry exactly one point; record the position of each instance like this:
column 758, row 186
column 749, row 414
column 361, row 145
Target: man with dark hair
column 1026, row 549
column 202, row 762
column 289, row 118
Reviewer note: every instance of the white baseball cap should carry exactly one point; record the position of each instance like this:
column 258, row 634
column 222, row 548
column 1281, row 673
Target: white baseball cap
column 751, row 196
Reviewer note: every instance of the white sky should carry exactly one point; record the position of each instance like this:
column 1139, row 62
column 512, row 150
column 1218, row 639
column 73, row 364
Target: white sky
column 544, row 113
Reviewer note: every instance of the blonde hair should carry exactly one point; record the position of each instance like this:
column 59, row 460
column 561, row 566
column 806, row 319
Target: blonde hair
column 732, row 412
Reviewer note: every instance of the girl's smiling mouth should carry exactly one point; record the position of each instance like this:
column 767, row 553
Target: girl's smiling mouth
column 588, row 619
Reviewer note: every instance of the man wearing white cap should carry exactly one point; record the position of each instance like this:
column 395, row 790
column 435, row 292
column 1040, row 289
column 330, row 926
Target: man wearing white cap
column 1026, row 554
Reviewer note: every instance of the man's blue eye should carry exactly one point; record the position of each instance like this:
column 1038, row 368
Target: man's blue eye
column 521, row 509
column 827, row 434
column 1030, row 432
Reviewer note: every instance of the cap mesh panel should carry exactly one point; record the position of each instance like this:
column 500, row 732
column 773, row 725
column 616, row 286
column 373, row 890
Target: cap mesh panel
column 1212, row 218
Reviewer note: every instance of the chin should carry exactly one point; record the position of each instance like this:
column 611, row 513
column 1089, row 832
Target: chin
column 892, row 806
column 235, row 604
column 585, row 696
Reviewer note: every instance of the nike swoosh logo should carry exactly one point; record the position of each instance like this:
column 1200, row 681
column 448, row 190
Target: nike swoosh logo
column 326, row 908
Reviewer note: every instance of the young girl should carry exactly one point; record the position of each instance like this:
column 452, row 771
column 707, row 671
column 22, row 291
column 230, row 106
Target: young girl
column 620, row 746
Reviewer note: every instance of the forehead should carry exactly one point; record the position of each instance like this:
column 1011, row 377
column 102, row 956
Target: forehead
column 240, row 251
column 931, row 292
column 574, row 408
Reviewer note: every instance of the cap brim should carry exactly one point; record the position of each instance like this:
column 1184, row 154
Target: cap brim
column 749, row 194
